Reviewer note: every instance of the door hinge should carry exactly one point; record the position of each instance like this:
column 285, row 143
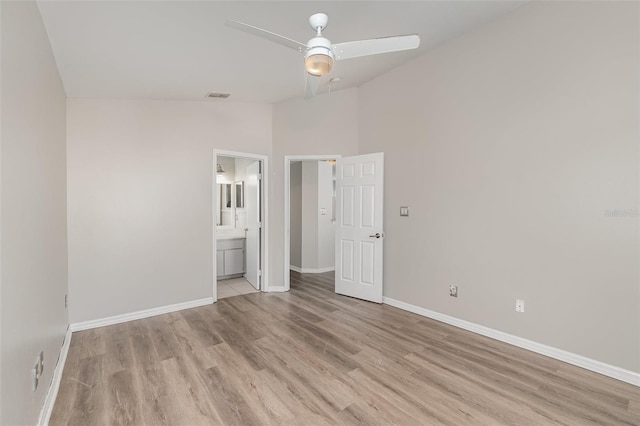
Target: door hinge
column 259, row 176
column 259, row 272
column 259, row 225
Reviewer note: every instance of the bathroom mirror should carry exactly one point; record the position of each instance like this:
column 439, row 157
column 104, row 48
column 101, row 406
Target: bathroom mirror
column 226, row 215
column 231, row 197
column 225, row 196
column 240, row 194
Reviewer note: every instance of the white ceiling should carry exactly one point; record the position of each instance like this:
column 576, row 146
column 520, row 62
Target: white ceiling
column 180, row 50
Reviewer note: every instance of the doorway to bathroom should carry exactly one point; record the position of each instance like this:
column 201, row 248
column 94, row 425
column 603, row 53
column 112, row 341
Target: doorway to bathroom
column 239, row 224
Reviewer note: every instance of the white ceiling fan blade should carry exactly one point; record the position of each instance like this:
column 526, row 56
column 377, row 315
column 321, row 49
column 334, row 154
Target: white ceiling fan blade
column 276, row 38
column 311, row 86
column 374, row 46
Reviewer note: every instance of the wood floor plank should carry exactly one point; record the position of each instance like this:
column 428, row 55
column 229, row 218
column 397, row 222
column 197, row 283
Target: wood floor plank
column 142, row 348
column 229, row 403
column 299, row 402
column 304, row 367
column 393, row 394
column 123, row 400
column 292, row 335
column 119, row 356
column 151, row 387
column 498, row 408
column 186, row 394
column 299, row 388
column 190, row 344
column 242, row 344
column 312, row 357
column 202, row 328
column 163, row 340
column 81, row 388
column 270, row 408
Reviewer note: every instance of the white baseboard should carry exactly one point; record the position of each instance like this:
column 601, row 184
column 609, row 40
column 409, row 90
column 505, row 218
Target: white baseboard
column 52, row 392
column 312, row 270
column 117, row 319
column 559, row 354
column 276, row 289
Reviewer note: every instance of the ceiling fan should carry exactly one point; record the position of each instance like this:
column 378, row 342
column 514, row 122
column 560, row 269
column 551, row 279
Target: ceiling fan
column 320, row 54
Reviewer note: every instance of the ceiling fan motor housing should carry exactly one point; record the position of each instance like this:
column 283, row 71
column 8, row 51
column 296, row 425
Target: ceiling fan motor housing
column 318, row 21
column 318, row 59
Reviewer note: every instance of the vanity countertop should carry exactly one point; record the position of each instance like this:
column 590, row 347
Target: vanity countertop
column 223, row 233
column 230, row 237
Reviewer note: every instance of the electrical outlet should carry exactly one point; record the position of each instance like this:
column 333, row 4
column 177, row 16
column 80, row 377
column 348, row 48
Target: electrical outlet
column 453, row 290
column 519, row 305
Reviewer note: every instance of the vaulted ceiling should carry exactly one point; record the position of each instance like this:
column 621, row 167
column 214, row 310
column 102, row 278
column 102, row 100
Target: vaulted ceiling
column 181, row 50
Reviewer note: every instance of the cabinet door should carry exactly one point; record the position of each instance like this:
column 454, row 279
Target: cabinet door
column 220, row 263
column 234, row 261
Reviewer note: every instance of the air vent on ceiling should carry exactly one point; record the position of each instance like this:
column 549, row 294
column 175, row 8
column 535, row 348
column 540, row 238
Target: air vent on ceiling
column 218, row 95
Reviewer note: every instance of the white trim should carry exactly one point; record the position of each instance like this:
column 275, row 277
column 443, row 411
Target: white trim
column 287, row 206
column 117, row 319
column 612, row 371
column 52, row 392
column 312, row 270
column 264, row 214
column 277, row 289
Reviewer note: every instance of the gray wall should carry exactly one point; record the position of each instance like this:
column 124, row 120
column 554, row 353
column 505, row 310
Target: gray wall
column 326, row 228
column 295, row 215
column 33, row 214
column 140, row 198
column 310, row 215
column 512, row 145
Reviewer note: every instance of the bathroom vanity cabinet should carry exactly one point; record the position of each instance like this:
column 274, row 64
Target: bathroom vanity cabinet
column 230, row 258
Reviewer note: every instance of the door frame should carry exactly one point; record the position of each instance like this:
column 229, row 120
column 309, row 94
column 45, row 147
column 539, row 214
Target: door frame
column 288, row 159
column 264, row 247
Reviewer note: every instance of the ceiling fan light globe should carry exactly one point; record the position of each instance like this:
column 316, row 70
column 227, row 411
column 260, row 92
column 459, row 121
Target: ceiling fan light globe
column 319, row 64
column 318, row 60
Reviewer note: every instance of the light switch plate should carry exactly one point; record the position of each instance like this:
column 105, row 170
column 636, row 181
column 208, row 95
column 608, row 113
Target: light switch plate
column 404, row 211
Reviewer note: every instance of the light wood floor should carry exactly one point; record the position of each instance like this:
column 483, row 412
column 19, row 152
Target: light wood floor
column 310, row 357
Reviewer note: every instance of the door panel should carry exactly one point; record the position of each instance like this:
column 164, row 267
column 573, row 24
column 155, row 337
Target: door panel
column 359, row 229
column 346, row 270
column 254, row 231
column 348, row 202
column 367, row 248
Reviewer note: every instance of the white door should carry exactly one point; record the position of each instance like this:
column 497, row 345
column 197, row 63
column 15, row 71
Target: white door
column 252, row 193
column 359, row 227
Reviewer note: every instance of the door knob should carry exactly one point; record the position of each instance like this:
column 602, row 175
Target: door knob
column 376, row 235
